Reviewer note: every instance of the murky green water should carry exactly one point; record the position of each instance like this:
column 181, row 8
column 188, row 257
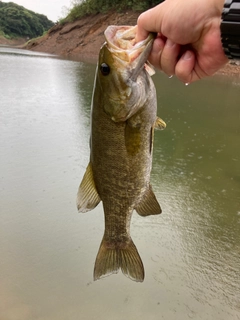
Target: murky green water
column 191, row 252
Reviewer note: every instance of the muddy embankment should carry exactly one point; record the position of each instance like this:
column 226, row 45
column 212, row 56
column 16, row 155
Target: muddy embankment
column 82, row 39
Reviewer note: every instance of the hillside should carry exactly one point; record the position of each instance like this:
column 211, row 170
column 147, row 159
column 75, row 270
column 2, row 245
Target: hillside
column 19, row 22
column 82, row 39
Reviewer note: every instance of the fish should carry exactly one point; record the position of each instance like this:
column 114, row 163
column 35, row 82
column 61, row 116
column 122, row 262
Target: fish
column 123, row 119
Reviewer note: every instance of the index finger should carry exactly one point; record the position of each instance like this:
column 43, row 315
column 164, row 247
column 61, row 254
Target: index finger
column 146, row 23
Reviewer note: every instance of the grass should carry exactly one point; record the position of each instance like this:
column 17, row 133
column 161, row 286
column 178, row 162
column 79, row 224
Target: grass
column 86, row 7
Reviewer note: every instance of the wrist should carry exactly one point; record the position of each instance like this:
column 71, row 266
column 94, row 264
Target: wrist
column 218, row 4
column 230, row 29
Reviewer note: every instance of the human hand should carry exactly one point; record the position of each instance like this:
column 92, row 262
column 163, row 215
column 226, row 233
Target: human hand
column 188, row 44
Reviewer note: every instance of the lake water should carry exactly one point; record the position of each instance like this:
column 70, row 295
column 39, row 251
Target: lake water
column 191, row 252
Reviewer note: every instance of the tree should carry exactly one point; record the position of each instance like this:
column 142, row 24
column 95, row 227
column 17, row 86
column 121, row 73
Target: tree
column 17, row 21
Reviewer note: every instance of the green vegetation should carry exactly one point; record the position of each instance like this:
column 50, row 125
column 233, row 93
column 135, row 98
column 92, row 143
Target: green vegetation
column 84, row 7
column 18, row 22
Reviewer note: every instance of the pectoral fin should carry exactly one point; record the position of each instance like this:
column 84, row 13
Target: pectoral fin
column 159, row 124
column 149, row 204
column 87, row 197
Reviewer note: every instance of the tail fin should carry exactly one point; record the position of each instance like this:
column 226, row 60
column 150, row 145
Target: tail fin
column 110, row 259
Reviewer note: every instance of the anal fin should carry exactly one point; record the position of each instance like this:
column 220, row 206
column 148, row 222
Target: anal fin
column 87, row 197
column 148, row 204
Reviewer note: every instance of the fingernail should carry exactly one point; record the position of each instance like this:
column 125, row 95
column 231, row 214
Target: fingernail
column 170, row 43
column 187, row 55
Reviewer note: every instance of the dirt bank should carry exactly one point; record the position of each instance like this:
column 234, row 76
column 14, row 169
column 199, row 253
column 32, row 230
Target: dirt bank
column 82, row 39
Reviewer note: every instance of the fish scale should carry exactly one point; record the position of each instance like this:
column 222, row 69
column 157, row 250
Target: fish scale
column 123, row 118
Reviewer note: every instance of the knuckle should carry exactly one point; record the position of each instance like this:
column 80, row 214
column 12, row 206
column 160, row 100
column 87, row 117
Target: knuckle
column 141, row 19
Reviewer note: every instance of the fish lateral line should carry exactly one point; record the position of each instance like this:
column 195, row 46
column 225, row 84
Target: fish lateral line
column 123, row 119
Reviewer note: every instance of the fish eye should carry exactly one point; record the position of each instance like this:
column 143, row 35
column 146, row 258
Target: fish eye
column 105, row 69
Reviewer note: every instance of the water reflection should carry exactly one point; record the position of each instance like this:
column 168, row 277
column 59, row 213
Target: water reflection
column 191, row 252
column 198, row 161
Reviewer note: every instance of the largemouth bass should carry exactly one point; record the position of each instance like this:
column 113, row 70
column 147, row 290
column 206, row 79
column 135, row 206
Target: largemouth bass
column 122, row 123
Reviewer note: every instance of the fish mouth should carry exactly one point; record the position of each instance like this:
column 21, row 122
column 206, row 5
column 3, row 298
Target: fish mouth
column 122, row 44
column 128, row 59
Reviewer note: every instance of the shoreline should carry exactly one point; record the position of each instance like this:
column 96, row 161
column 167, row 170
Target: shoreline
column 81, row 40
column 12, row 42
